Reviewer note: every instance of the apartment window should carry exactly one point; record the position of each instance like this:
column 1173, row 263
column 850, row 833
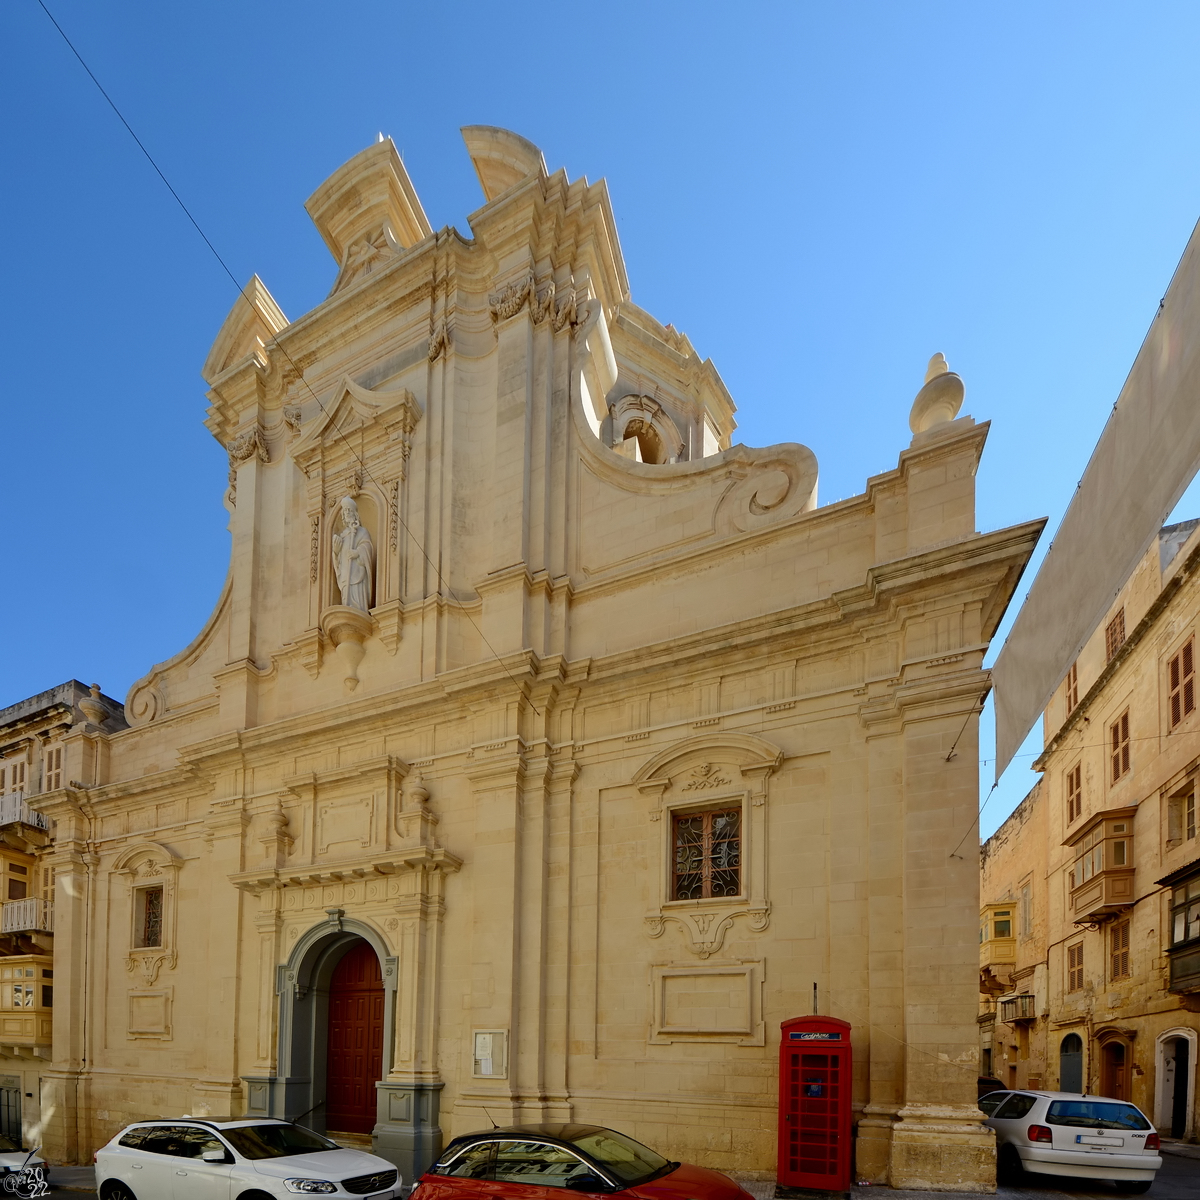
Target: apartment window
column 1074, row 793
column 1189, row 815
column 1026, row 910
column 1072, row 688
column 53, row 768
column 1185, row 912
column 1002, row 924
column 16, row 777
column 1075, row 967
column 147, row 917
column 1182, row 682
column 1114, row 634
column 3, row 772
column 707, row 854
column 1118, row 950
column 48, row 884
column 1118, row 735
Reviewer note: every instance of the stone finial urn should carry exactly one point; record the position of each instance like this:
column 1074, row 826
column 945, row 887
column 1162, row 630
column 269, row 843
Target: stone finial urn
column 939, row 400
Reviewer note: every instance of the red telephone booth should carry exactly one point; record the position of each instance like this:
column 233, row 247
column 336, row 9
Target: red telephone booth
column 814, row 1104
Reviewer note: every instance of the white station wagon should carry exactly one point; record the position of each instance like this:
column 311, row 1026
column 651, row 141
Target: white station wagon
column 236, row 1160
column 1064, row 1133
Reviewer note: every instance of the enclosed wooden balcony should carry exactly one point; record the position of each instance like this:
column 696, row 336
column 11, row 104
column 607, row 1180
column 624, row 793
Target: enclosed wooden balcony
column 1102, row 875
column 997, row 939
column 26, row 1004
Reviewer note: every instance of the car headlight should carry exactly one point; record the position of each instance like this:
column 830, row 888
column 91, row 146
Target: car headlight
column 309, row 1185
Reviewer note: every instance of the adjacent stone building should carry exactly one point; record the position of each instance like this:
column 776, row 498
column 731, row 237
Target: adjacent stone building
column 1090, row 925
column 31, row 763
column 563, row 740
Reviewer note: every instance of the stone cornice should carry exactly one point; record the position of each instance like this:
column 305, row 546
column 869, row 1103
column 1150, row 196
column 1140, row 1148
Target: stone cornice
column 419, row 858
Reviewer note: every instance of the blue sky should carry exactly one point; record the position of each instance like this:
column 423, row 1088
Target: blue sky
column 820, row 195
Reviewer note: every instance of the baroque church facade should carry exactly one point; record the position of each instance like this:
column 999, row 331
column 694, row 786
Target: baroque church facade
column 546, row 748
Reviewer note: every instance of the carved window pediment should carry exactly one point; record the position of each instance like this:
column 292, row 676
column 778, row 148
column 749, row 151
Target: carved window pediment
column 710, row 790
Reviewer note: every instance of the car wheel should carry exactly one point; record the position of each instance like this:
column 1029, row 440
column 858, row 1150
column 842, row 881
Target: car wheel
column 114, row 1189
column 255, row 1196
column 1008, row 1166
column 1133, row 1187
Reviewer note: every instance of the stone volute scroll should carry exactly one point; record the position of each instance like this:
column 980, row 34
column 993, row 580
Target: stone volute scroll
column 723, row 775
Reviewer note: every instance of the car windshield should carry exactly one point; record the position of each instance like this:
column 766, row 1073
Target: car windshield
column 275, row 1141
column 1095, row 1114
column 629, row 1161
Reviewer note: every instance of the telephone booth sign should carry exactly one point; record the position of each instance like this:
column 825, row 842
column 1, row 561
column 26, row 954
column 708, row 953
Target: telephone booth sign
column 814, row 1104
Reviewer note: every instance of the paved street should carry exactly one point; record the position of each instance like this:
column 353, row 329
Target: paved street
column 1179, row 1179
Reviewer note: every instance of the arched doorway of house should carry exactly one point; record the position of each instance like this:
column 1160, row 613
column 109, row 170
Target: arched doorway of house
column 1176, row 1067
column 354, row 1061
column 1114, row 1070
column 1070, row 1064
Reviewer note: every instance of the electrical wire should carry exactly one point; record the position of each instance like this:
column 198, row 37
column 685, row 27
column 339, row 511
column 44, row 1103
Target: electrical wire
column 446, row 590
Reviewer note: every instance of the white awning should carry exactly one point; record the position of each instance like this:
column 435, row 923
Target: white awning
column 1145, row 459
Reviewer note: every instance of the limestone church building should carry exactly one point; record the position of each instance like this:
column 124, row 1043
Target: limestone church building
column 546, row 747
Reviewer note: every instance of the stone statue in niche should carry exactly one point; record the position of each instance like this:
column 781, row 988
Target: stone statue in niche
column 353, row 559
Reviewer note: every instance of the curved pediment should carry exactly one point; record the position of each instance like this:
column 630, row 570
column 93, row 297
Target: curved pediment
column 743, row 750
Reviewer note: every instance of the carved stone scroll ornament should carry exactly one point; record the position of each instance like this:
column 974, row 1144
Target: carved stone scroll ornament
column 394, row 511
column 439, row 340
column 292, row 417
column 243, row 447
column 314, row 546
column 149, row 963
column 706, row 930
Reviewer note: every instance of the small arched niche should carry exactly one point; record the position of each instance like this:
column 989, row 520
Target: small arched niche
column 644, row 431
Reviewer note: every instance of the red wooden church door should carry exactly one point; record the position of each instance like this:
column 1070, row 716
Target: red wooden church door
column 355, row 1042
column 814, row 1104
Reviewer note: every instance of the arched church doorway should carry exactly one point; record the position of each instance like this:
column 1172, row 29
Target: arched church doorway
column 1070, row 1064
column 354, row 1061
column 1114, row 1070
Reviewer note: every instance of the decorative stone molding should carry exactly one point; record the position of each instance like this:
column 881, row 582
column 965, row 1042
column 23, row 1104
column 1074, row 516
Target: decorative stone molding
column 507, row 301
column 293, row 417
column 347, row 629
column 439, row 340
column 314, row 546
column 150, row 864
column 244, row 447
column 683, row 1008
column 697, row 773
column 706, row 930
column 149, row 964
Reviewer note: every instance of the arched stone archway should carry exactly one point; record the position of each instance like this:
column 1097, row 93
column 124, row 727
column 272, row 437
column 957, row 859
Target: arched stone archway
column 303, row 986
column 406, row 1129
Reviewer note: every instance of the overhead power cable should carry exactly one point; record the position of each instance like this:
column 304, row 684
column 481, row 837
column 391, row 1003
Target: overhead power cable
column 445, row 588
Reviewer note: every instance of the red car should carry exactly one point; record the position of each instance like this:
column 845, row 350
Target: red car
column 531, row 1162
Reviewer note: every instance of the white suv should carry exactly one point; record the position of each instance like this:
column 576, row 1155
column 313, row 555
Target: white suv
column 189, row 1159
column 1064, row 1133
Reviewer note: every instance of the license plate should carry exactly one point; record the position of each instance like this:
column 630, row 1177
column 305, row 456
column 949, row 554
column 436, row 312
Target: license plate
column 1098, row 1142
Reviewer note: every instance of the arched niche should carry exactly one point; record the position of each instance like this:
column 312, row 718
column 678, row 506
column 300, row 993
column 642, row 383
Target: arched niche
column 644, row 420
